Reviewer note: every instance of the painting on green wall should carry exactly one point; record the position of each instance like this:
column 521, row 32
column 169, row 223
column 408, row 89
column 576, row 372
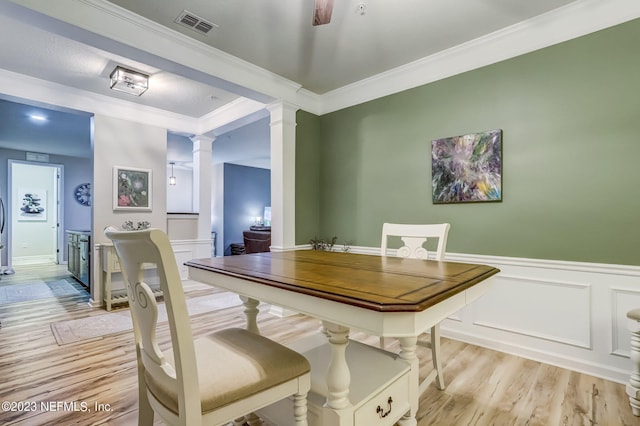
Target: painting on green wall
column 467, row 168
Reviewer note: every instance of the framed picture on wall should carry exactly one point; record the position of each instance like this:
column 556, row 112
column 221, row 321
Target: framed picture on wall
column 32, row 205
column 467, row 168
column 131, row 189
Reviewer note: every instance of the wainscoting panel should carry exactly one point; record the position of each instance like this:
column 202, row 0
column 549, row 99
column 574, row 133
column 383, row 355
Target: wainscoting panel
column 569, row 314
column 622, row 301
column 546, row 309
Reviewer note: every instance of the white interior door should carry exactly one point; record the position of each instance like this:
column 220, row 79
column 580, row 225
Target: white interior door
column 34, row 210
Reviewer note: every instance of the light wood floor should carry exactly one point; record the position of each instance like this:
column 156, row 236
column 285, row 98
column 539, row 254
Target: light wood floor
column 484, row 387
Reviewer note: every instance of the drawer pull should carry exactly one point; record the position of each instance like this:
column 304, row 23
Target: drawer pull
column 381, row 412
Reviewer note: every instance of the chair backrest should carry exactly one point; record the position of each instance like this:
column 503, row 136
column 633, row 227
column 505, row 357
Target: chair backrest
column 135, row 248
column 256, row 241
column 414, row 237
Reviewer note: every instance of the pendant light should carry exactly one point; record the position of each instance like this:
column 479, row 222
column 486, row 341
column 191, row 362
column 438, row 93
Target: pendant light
column 172, row 178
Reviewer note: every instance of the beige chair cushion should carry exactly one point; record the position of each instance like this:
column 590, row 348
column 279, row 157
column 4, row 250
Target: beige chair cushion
column 233, row 364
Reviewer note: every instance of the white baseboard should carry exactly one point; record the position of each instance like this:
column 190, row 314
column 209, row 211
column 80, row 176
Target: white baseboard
column 552, row 358
column 33, row 260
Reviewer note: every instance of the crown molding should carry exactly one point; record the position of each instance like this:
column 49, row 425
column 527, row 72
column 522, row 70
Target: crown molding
column 19, row 86
column 238, row 109
column 180, row 54
column 183, row 55
column 571, row 21
column 25, row 87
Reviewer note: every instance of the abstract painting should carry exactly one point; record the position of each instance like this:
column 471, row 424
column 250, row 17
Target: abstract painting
column 131, row 189
column 467, row 168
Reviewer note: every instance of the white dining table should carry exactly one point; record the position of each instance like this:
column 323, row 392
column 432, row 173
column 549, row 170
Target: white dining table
column 353, row 384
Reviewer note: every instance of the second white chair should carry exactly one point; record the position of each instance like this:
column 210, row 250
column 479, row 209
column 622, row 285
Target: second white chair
column 414, row 237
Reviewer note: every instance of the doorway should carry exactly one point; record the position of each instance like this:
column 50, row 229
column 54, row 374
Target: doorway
column 34, row 231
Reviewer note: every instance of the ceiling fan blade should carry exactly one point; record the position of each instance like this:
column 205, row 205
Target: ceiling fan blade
column 322, row 10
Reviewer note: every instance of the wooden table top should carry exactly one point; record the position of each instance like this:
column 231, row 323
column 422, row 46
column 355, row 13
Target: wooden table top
column 386, row 284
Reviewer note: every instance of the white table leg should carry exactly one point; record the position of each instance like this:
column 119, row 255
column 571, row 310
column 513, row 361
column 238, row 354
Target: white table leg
column 338, row 375
column 408, row 353
column 251, row 313
column 633, row 386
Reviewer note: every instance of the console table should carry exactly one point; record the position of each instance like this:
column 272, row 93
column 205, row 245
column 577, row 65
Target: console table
column 111, row 265
column 351, row 383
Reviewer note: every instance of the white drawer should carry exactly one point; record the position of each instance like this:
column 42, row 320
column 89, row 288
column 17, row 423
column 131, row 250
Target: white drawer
column 386, row 407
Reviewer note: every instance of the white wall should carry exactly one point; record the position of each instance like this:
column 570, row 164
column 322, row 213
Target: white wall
column 124, row 143
column 180, row 195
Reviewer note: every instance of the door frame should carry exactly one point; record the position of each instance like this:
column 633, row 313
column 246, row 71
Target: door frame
column 58, row 201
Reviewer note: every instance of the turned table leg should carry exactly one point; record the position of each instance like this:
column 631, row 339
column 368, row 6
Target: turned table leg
column 633, row 387
column 338, row 375
column 408, row 354
column 251, row 313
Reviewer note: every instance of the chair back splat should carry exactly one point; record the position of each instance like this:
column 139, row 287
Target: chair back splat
column 414, row 237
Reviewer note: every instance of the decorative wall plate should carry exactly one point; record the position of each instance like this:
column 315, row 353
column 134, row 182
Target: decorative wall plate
column 82, row 194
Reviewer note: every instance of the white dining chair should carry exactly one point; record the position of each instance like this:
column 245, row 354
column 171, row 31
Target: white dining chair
column 414, row 238
column 211, row 380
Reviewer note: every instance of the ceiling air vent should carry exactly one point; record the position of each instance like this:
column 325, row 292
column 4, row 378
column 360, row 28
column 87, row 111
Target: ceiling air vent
column 193, row 21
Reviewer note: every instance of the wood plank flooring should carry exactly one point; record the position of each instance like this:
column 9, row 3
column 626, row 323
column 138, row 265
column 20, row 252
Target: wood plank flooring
column 484, row 387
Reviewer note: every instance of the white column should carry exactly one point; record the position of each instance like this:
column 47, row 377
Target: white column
column 283, row 175
column 202, row 184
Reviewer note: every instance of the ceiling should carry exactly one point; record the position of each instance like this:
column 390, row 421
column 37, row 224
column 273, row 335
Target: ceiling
column 44, row 54
column 259, row 51
column 278, row 35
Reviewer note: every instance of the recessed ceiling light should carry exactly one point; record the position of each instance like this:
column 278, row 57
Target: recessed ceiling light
column 38, row 117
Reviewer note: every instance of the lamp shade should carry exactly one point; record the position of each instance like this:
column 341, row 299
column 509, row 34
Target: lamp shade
column 129, row 81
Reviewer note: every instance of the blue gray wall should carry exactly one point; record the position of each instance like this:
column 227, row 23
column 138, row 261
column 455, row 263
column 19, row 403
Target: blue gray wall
column 247, row 191
column 76, row 171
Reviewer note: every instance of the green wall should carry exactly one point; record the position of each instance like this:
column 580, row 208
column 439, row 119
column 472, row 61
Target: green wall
column 307, row 177
column 570, row 116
